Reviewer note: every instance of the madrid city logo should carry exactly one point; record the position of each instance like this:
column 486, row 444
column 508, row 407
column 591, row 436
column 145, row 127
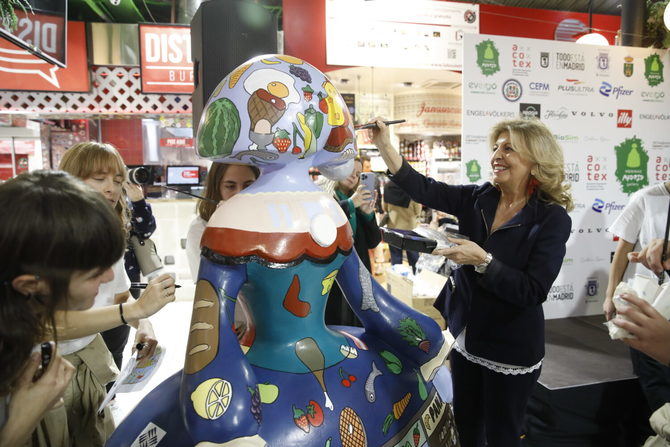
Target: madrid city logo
column 473, row 170
column 591, row 286
column 653, row 70
column 488, row 57
column 631, row 165
column 544, row 59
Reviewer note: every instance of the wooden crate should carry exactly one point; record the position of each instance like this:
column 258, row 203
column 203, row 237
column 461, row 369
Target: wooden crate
column 402, row 288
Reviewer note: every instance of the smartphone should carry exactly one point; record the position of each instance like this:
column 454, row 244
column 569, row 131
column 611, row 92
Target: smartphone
column 408, row 240
column 46, row 350
column 368, row 180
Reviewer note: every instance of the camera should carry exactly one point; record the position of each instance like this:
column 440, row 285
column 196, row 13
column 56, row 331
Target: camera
column 141, row 175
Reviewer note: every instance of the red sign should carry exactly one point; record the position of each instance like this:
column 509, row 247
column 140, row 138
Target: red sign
column 165, row 59
column 20, row 70
column 44, row 31
column 21, row 146
column 6, row 171
column 624, row 118
column 176, row 142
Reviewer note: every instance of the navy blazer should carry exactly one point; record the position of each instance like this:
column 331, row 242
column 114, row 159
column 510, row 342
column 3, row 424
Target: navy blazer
column 502, row 308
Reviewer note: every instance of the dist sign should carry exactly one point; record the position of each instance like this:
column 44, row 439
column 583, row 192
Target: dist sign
column 165, row 59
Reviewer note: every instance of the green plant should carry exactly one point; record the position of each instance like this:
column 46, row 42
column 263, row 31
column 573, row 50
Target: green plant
column 656, row 34
column 8, row 17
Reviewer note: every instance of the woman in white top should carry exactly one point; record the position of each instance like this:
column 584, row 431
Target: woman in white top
column 223, row 182
column 641, row 221
column 101, row 167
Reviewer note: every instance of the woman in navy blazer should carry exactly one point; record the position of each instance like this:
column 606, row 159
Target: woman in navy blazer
column 517, row 226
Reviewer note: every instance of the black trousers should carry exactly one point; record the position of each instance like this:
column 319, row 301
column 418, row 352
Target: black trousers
column 654, row 379
column 489, row 407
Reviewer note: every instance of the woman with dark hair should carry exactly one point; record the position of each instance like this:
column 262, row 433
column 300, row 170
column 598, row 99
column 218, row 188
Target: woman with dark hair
column 58, row 239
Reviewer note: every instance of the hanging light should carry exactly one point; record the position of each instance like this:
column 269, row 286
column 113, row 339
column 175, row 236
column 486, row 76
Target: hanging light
column 666, row 16
column 593, row 39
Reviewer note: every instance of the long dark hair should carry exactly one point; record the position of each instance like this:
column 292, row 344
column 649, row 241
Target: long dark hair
column 51, row 225
column 213, row 188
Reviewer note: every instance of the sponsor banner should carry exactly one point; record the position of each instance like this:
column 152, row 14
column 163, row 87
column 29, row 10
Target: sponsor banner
column 398, row 33
column 20, row 70
column 165, row 59
column 608, row 108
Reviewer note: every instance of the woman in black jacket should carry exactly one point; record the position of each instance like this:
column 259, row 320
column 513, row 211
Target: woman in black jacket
column 358, row 205
column 517, row 226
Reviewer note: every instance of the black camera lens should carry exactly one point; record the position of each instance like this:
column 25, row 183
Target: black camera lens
column 140, row 175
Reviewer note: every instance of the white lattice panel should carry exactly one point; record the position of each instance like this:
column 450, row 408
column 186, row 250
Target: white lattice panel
column 116, row 90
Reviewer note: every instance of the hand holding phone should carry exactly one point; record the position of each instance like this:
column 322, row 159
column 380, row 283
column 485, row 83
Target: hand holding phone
column 46, row 352
column 368, row 180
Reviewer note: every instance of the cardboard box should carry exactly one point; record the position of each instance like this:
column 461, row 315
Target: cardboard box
column 404, row 288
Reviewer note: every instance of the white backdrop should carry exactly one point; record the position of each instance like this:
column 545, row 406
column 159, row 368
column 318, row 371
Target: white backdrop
column 609, row 108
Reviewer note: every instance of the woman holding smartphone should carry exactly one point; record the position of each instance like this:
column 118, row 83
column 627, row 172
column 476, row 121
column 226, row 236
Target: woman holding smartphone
column 358, row 203
column 59, row 240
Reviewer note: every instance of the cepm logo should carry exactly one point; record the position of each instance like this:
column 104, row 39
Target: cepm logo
column 624, row 118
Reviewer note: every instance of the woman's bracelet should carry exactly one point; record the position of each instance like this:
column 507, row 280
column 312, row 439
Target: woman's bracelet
column 123, row 320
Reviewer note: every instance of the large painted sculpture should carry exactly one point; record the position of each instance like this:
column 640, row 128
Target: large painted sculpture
column 281, row 243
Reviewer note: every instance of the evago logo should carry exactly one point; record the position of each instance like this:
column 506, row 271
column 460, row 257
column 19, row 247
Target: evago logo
column 488, row 57
column 631, row 165
column 653, row 70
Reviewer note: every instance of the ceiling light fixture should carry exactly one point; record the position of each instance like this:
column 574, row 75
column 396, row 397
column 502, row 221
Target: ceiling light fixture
column 592, row 38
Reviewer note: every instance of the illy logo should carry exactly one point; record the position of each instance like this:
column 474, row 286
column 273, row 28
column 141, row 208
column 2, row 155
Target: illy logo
column 624, row 118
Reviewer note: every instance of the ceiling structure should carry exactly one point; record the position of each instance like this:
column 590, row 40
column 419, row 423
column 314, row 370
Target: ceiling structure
column 163, row 11
column 611, row 7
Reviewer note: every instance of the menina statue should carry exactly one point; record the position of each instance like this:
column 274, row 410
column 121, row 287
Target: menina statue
column 290, row 380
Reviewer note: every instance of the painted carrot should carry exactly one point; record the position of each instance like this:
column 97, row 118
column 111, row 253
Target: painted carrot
column 399, row 407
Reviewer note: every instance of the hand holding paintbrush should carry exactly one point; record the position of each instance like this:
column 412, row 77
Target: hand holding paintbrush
column 381, row 137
